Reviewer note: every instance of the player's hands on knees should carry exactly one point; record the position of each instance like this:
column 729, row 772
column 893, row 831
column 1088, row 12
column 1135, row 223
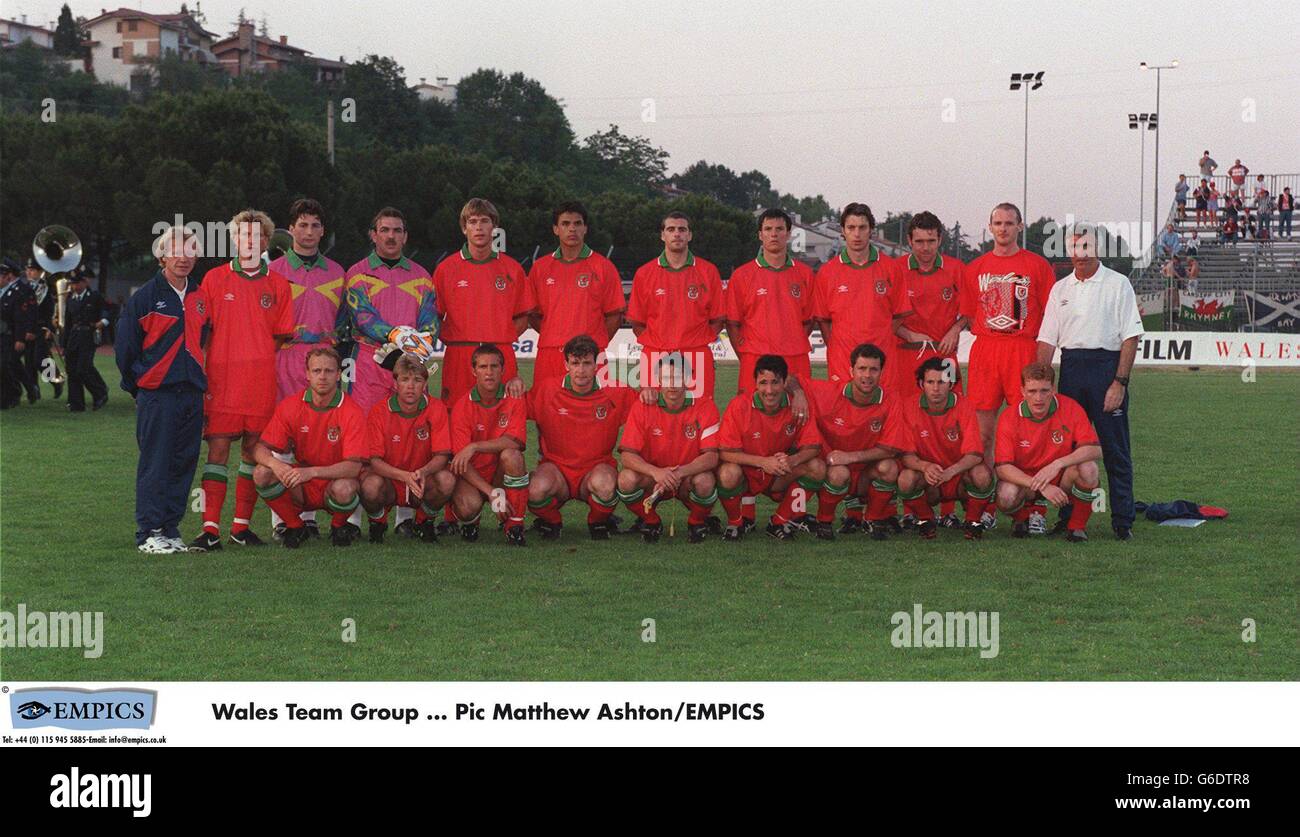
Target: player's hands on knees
column 777, row 465
column 667, row 481
column 948, row 344
column 515, row 387
column 460, row 461
column 1054, row 495
column 294, row 477
column 1044, row 477
column 935, row 475
column 836, row 457
column 414, row 482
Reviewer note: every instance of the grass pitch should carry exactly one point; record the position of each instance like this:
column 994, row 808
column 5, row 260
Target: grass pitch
column 1167, row 606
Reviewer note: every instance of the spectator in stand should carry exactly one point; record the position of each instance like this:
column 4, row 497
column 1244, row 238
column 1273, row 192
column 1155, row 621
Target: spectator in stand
column 1285, row 206
column 1212, row 205
column 1180, row 196
column 1193, row 244
column 1176, row 270
column 1259, row 187
column 1264, row 208
column 1193, row 274
column 1230, row 228
column 1202, row 195
column 1241, row 209
column 1237, row 175
column 1207, row 165
column 1170, row 243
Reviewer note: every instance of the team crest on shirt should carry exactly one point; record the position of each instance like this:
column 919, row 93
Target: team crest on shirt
column 200, row 307
column 952, row 433
column 333, row 433
column 601, row 412
column 691, row 430
column 796, row 290
column 267, row 300
column 422, row 433
column 584, row 280
column 499, row 283
column 1057, row 437
column 946, row 293
column 876, row 424
column 692, row 291
column 502, row 420
column 1022, row 292
column 789, row 429
column 881, row 287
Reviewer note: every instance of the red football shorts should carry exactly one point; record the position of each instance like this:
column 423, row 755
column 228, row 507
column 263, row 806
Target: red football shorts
column 994, row 370
column 233, row 425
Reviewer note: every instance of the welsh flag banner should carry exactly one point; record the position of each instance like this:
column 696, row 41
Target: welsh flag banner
column 1213, row 309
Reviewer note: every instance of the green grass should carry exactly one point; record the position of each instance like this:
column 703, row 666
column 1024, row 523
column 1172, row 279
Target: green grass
column 1167, row 606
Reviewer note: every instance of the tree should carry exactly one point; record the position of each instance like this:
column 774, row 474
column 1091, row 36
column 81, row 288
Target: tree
column 386, row 108
column 512, row 117
column 623, row 161
column 68, row 36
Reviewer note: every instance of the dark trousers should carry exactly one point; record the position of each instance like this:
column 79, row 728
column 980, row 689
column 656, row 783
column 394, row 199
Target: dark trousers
column 1086, row 374
column 11, row 373
column 168, row 429
column 79, row 354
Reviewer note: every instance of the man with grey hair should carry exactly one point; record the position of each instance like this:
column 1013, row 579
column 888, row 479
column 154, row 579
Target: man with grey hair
column 160, row 355
column 1092, row 317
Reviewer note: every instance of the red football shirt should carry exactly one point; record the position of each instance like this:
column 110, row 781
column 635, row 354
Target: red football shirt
column 408, row 440
column 848, row 426
column 860, row 300
column 771, row 305
column 247, row 313
column 945, row 436
column 1004, row 296
column 479, row 300
column 747, row 429
column 318, row 437
column 675, row 306
column 473, row 421
column 1031, row 444
column 934, row 297
column 667, row 439
column 578, row 431
column 575, row 296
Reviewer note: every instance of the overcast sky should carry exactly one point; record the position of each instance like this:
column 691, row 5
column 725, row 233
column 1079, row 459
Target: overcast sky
column 849, row 99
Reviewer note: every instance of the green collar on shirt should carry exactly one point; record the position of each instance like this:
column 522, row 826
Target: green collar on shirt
column 663, row 261
column 952, row 402
column 396, row 406
column 261, row 269
column 374, row 261
column 595, row 387
column 913, row 264
column 663, row 405
column 296, row 262
column 763, row 263
column 875, row 398
column 464, row 254
column 474, row 396
column 1026, row 413
column 334, row 402
column 582, row 254
column 873, row 256
column 785, row 402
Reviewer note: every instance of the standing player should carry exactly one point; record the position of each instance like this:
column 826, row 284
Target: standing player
column 670, row 449
column 409, row 444
column 250, row 311
column 1003, row 294
column 765, row 450
column 933, row 283
column 483, row 296
column 488, row 433
column 859, row 297
column 577, row 425
column 945, row 460
column 577, row 292
column 678, row 306
column 318, row 315
column 862, row 431
column 770, row 303
column 326, row 433
column 385, row 290
column 1046, row 447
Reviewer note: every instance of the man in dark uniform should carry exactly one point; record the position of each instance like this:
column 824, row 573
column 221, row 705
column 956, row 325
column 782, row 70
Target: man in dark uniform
column 17, row 322
column 38, row 347
column 83, row 330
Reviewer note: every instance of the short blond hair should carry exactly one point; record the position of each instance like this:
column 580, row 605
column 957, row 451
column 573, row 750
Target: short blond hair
column 479, row 206
column 408, row 364
column 252, row 216
column 162, row 244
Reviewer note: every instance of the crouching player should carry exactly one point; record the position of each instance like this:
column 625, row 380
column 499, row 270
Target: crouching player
column 326, row 433
column 765, row 450
column 862, row 430
column 1047, row 448
column 577, row 426
column 670, row 449
column 945, row 461
column 488, row 433
column 409, row 444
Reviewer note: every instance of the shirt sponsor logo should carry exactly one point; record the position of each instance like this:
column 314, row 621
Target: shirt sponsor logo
column 661, row 292
column 461, row 283
column 333, row 433
column 229, row 297
column 304, row 429
column 842, row 289
column 655, row 431
column 267, row 300
column 550, row 280
column 761, row 292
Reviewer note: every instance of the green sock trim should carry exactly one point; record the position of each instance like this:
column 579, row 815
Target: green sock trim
column 270, row 492
column 976, row 494
column 427, row 509
column 215, row 472
column 704, row 501
column 728, row 493
column 884, row 486
column 919, row 492
column 631, row 496
column 543, row 504
column 837, row 490
column 246, row 469
column 515, row 482
column 607, row 503
column 335, row 507
column 1085, row 496
column 1018, row 507
column 811, row 484
column 854, row 502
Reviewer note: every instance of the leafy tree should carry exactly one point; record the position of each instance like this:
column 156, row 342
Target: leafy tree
column 511, row 116
column 68, row 36
column 618, row 160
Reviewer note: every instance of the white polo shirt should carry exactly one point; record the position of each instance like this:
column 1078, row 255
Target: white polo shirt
column 1099, row 312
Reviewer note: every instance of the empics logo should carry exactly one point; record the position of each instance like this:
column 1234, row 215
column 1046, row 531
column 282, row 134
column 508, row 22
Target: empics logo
column 82, row 709
column 111, row 790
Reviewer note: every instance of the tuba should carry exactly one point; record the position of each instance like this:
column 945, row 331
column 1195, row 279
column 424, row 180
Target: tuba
column 58, row 251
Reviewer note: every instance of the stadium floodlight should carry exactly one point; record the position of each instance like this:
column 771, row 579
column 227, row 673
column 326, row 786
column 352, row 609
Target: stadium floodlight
column 1172, row 65
column 1135, row 123
column 1029, row 81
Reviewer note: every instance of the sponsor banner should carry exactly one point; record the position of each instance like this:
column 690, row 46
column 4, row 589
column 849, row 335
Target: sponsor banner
column 1274, row 311
column 81, row 709
column 699, row 713
column 1205, row 308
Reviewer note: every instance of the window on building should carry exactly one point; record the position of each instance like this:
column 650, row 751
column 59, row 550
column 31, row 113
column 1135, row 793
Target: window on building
column 117, row 52
column 118, row 28
column 131, row 25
